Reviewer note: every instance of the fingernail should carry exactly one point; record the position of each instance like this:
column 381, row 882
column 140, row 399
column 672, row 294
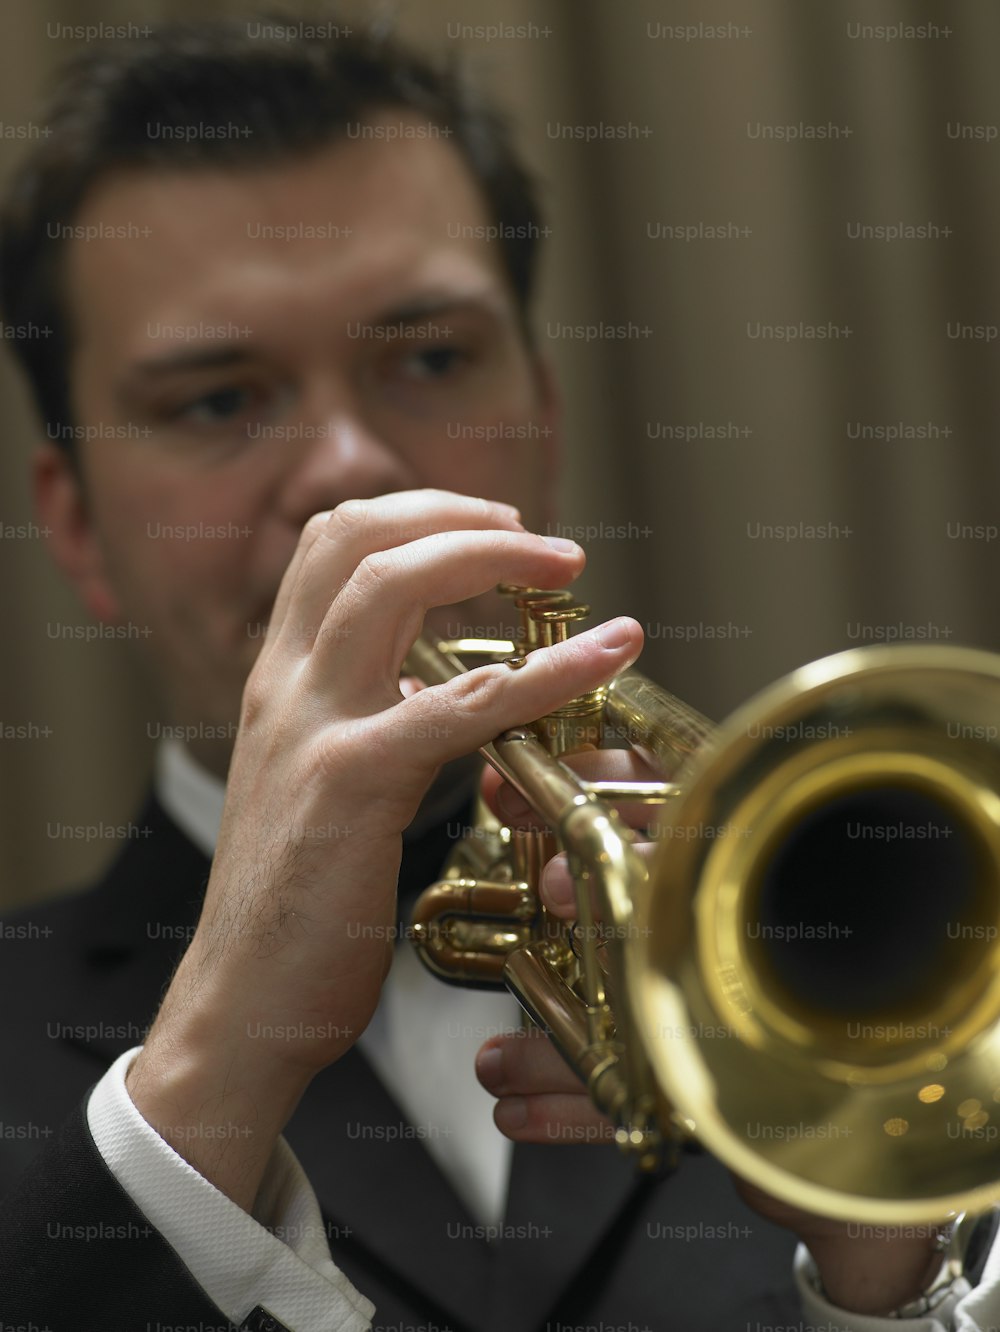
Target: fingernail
column 510, row 511
column 512, row 804
column 489, row 1067
column 511, row 1113
column 614, row 634
column 561, row 544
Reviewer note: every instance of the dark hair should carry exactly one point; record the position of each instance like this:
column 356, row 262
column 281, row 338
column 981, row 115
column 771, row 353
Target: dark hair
column 291, row 88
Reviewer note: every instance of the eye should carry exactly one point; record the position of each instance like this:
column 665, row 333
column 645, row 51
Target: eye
column 217, row 407
column 434, row 362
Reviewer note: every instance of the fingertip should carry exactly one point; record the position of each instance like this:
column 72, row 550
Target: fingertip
column 619, row 634
column 558, row 889
column 489, row 1065
column 510, row 1114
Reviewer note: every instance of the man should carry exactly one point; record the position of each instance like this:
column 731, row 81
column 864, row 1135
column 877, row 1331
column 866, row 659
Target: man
column 300, row 396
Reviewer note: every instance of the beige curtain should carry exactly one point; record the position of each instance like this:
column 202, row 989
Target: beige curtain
column 791, row 450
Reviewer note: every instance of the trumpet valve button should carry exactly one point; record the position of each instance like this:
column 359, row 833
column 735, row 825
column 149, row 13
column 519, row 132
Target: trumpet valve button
column 554, row 621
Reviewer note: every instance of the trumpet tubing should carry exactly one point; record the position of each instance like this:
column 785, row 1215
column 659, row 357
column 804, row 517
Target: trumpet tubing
column 806, row 973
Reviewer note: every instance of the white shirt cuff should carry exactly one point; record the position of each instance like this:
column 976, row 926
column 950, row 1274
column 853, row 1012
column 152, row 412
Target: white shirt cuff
column 285, row 1267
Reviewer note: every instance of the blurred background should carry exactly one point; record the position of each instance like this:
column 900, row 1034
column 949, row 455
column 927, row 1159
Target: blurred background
column 777, row 224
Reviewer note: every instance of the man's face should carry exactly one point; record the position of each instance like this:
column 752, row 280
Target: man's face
column 263, row 345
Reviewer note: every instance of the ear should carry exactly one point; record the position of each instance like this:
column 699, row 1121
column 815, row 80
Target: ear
column 64, row 515
column 550, row 417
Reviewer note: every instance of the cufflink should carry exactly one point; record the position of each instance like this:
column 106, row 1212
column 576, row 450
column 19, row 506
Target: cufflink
column 259, row 1320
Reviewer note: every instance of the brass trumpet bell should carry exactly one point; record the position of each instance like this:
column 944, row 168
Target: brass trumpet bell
column 815, row 972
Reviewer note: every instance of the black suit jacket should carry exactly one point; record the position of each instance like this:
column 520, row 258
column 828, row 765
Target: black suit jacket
column 587, row 1241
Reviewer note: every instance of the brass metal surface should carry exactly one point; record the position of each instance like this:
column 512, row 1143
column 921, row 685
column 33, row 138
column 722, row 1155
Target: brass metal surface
column 820, row 1006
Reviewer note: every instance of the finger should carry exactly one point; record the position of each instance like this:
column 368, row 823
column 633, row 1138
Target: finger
column 471, row 710
column 541, row 1099
column 371, row 626
column 552, row 1119
column 335, row 543
column 523, row 1064
column 313, row 529
column 558, row 889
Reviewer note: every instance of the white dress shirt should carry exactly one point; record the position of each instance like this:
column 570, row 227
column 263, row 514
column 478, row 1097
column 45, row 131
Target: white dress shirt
column 422, row 1044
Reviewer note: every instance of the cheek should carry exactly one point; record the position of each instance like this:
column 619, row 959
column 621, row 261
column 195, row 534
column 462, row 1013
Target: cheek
column 189, row 588
column 175, row 551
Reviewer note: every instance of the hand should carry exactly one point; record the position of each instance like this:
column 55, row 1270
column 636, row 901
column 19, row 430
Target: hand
column 863, row 1269
column 330, row 765
column 541, row 1100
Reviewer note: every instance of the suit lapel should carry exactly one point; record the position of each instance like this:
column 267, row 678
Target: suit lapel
column 563, row 1200
column 387, row 1199
column 130, row 933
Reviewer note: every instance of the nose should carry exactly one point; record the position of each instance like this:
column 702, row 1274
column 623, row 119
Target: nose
column 340, row 458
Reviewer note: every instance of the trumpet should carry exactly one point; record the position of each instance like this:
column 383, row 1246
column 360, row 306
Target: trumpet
column 805, row 974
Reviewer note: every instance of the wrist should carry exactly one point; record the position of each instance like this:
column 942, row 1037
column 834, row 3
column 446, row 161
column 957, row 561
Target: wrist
column 877, row 1274
column 218, row 1097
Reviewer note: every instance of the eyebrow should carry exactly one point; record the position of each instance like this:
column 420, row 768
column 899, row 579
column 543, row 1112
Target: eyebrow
column 223, row 355
column 207, row 358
